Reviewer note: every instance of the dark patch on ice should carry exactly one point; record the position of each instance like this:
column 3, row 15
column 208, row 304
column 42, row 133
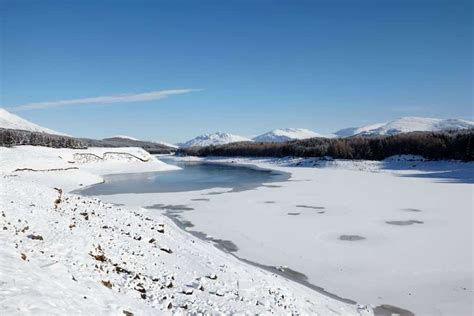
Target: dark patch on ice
column 269, row 202
column 411, row 210
column 170, row 208
column 214, row 193
column 294, row 213
column 187, row 224
column 404, row 223
column 222, row 244
column 207, row 200
column 321, row 212
column 117, row 204
column 389, row 310
column 351, row 237
column 312, row 207
column 226, row 245
column 297, row 277
column 293, row 274
column 271, row 186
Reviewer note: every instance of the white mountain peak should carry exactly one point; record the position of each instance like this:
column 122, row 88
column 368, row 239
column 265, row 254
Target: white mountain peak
column 285, row 134
column 217, row 138
column 12, row 121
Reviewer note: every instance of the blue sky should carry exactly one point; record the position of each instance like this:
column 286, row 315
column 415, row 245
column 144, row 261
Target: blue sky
column 243, row 67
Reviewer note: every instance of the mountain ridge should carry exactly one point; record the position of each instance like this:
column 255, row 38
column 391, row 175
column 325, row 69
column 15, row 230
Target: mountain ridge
column 12, row 121
column 217, row 138
column 285, row 134
column 406, row 125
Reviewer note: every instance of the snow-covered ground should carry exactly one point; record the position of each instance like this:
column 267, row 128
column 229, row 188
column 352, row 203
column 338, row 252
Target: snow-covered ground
column 62, row 254
column 397, row 232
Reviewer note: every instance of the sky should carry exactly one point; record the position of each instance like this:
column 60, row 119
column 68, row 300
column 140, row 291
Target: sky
column 172, row 70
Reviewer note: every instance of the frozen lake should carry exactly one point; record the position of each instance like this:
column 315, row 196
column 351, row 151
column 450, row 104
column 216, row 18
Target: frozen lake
column 387, row 234
column 191, row 177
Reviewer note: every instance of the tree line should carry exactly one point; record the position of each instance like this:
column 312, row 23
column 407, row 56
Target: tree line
column 14, row 137
column 456, row 145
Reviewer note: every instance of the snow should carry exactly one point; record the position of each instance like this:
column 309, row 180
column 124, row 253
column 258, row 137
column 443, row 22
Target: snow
column 123, row 136
column 396, row 232
column 65, row 254
column 285, row 134
column 351, row 131
column 12, row 121
column 218, row 138
column 407, row 124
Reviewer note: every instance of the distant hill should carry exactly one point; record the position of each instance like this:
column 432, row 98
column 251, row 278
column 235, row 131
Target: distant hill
column 16, row 137
column 217, row 138
column 151, row 147
column 406, row 125
column 123, row 137
column 285, row 134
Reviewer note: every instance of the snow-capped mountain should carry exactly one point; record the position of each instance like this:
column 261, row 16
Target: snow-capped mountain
column 12, row 121
column 285, row 134
column 406, row 125
column 123, row 137
column 165, row 144
column 351, row 131
column 217, row 138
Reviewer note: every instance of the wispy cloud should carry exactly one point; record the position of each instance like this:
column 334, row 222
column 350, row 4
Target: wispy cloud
column 119, row 98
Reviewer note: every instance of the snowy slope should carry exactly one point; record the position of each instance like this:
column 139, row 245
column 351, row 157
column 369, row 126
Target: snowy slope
column 12, row 121
column 406, row 125
column 217, row 138
column 285, row 134
column 351, row 131
column 123, row 136
column 412, row 124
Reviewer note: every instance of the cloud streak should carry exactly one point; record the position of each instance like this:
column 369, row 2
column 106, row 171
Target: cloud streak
column 119, row 98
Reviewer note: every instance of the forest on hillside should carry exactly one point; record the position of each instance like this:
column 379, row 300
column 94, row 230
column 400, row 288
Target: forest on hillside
column 14, row 137
column 456, row 145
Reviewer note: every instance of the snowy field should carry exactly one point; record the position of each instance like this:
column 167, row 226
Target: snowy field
column 393, row 232
column 62, row 254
